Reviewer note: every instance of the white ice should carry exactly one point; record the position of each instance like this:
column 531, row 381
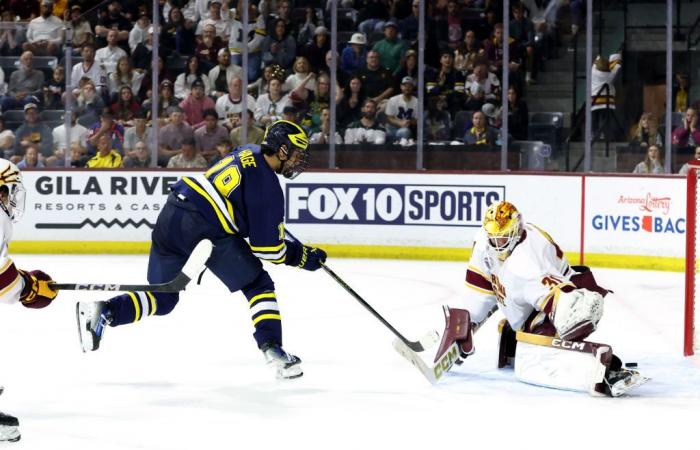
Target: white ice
column 195, row 379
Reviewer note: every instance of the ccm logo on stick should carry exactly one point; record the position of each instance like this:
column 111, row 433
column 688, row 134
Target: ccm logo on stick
column 380, row 204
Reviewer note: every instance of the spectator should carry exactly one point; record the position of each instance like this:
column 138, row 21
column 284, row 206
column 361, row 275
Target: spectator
column 195, row 104
column 408, row 27
column 166, row 99
column 208, row 136
column 688, row 135
column 78, row 135
column 31, row 159
column 256, row 34
column 229, row 107
column 89, row 68
column 349, row 108
column 680, row 92
column 220, row 76
column 269, row 106
column 401, row 111
column 468, row 53
column 322, row 136
column 192, row 73
column 448, row 82
column 114, row 20
column 480, row 133
column 372, row 16
column 26, row 84
column 284, row 14
column 367, row 130
column 217, row 18
column 354, row 56
column 188, row 158
column 10, row 37
column 78, row 156
column 162, row 76
column 139, row 34
column 315, row 51
column 646, row 133
column 139, row 132
column 438, row 123
column 201, row 9
column 518, row 115
column 3, row 85
column 208, row 48
column 318, row 99
column 125, row 75
column 109, row 55
column 142, row 55
column 45, row 33
column 82, row 30
column 377, row 80
column 89, row 103
column 685, row 168
column 302, row 74
column 177, row 33
column 173, row 135
column 481, row 87
column 522, row 32
column 262, row 84
column 653, row 162
column 453, row 24
column 55, row 88
column 309, row 27
column 106, row 126
column 106, row 157
column 125, row 107
column 254, row 133
column 33, row 132
column 279, row 47
column 408, row 68
column 7, row 140
column 290, row 114
column 140, row 157
column 391, row 48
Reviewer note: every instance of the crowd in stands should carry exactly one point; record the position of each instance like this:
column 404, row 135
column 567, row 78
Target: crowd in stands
column 200, row 86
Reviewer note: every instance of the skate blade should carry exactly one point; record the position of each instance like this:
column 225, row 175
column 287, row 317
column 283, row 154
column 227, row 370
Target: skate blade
column 10, row 435
column 87, row 342
column 635, row 383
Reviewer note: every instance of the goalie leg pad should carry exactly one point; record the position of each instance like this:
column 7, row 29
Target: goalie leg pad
column 458, row 330
column 577, row 313
column 506, row 344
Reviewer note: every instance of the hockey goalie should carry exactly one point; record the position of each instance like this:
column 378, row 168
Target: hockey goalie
column 550, row 309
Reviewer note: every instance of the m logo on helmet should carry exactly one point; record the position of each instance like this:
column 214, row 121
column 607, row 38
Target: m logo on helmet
column 299, row 140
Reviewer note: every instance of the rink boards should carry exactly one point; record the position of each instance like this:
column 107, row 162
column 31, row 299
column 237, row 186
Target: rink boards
column 614, row 221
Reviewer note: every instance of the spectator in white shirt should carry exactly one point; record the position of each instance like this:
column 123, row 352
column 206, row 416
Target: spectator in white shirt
column 109, row 56
column 78, row 135
column 229, row 107
column 218, row 18
column 269, row 106
column 401, row 113
column 89, row 68
column 45, row 33
column 139, row 33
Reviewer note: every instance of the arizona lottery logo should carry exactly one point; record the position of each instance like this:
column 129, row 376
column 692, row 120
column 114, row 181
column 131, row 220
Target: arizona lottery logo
column 649, row 203
column 648, row 213
column 385, row 204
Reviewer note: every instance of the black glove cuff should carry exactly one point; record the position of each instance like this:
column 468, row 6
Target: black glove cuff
column 294, row 252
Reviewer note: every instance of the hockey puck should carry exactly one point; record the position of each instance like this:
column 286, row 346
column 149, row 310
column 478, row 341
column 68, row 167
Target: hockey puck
column 631, row 364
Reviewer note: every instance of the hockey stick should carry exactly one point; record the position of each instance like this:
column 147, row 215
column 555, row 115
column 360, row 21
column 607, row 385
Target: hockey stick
column 416, row 346
column 190, row 270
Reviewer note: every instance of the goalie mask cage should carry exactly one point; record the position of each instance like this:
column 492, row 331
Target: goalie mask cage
column 691, row 338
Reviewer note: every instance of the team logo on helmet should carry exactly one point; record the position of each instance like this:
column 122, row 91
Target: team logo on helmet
column 502, row 223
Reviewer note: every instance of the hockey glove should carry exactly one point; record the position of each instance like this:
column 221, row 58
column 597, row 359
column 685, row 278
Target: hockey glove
column 308, row 258
column 37, row 292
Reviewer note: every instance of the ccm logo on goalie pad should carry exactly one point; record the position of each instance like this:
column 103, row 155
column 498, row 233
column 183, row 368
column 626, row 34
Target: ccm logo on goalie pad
column 569, row 345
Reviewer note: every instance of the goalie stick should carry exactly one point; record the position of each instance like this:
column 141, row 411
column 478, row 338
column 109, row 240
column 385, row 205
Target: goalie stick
column 190, row 270
column 417, row 346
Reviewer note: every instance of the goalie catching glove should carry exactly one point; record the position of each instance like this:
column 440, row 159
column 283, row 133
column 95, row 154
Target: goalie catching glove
column 37, row 292
column 577, row 313
column 304, row 256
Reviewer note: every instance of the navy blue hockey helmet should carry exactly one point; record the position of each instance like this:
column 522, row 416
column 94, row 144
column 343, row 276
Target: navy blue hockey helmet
column 294, row 142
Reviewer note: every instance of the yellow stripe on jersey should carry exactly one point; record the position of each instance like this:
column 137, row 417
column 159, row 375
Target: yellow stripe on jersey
column 262, row 296
column 268, row 249
column 219, row 213
column 6, row 265
column 478, row 289
column 137, row 306
column 153, row 303
column 266, row 317
column 277, row 261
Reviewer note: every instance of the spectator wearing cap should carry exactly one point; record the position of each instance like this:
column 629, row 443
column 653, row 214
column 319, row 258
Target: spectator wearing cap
column 105, row 126
column 208, row 136
column 269, row 106
column 254, row 134
column 208, row 48
column 45, row 33
column 82, row 30
column 166, row 99
column 78, row 135
column 32, row 132
column 31, row 159
column 391, row 48
column 354, row 56
column 106, row 157
column 173, row 135
column 139, row 33
column 218, row 18
column 108, row 56
column 113, row 20
column 26, row 84
column 401, row 113
column 220, row 76
column 378, row 81
column 188, row 158
column 279, row 47
column 315, row 51
column 229, row 107
column 193, row 72
column 89, row 68
column 139, row 132
column 372, row 16
column 195, row 104
column 290, row 114
column 408, row 68
column 481, row 133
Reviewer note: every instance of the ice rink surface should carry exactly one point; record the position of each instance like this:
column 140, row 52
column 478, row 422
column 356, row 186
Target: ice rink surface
column 195, row 379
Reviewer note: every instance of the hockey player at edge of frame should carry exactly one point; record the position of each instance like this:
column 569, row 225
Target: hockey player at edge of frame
column 549, row 306
column 31, row 288
column 239, row 197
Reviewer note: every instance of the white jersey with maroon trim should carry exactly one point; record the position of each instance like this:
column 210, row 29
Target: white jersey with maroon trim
column 11, row 283
column 521, row 284
column 606, row 99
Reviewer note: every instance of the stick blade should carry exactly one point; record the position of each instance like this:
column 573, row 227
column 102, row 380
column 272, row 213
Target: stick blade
column 403, row 350
column 198, row 258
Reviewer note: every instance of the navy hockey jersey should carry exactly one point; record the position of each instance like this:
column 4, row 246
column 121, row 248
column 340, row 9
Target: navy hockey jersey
column 243, row 195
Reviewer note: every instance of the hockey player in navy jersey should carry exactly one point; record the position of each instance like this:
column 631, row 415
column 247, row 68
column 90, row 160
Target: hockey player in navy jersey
column 239, row 197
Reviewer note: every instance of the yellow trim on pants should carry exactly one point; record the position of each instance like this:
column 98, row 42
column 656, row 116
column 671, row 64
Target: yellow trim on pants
column 137, row 306
column 266, row 317
column 153, row 302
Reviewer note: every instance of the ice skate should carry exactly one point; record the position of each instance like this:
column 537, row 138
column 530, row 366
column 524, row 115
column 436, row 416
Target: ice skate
column 288, row 366
column 93, row 318
column 623, row 380
column 9, row 428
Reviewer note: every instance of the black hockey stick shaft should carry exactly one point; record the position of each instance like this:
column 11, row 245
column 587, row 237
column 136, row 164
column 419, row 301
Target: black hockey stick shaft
column 415, row 346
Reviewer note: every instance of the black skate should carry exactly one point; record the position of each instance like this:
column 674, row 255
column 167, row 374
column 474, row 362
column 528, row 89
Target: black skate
column 618, row 382
column 9, row 428
column 288, row 366
column 93, row 318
